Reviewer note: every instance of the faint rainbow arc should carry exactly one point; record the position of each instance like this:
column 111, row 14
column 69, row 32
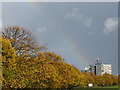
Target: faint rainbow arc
column 73, row 47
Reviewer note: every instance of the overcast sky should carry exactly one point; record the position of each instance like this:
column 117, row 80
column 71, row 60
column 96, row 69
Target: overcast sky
column 79, row 32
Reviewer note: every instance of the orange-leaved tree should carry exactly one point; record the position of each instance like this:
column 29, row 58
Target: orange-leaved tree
column 22, row 40
column 8, row 62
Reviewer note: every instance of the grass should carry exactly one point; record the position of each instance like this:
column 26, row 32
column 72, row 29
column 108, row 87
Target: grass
column 110, row 87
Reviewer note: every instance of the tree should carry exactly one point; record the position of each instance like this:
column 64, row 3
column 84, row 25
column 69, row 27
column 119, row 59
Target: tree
column 69, row 75
column 50, row 56
column 110, row 79
column 119, row 79
column 22, row 40
column 35, row 73
column 8, row 62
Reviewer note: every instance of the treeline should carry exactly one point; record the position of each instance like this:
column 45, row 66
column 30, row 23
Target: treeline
column 25, row 64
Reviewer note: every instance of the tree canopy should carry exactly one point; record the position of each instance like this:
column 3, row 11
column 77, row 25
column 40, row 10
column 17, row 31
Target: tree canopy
column 22, row 40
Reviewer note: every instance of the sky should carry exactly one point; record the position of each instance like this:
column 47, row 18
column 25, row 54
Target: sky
column 79, row 32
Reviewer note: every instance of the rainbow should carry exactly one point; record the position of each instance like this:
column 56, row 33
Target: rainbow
column 73, row 47
column 81, row 59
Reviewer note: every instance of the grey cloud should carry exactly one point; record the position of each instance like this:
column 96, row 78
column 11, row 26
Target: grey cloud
column 76, row 15
column 110, row 25
column 88, row 22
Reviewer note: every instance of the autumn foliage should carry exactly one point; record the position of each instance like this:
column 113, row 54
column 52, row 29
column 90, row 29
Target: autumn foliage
column 46, row 70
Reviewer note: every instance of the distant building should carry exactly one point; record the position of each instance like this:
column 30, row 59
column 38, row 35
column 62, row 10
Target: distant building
column 99, row 68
